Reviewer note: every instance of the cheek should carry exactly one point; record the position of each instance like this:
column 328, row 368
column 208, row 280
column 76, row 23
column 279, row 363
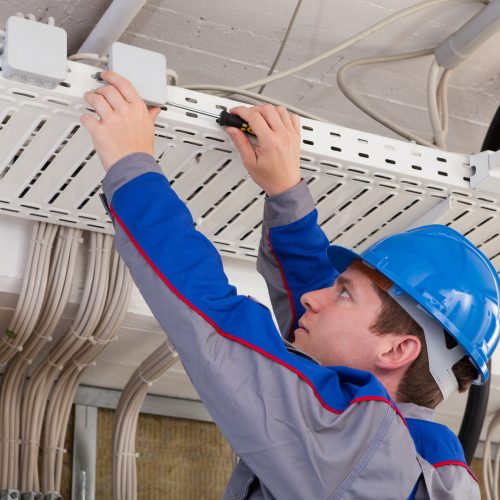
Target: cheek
column 346, row 342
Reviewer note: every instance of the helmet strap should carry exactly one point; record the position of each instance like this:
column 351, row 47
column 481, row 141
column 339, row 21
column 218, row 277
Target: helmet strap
column 441, row 359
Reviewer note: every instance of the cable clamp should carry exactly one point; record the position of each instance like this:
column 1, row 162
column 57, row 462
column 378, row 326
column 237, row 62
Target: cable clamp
column 79, row 336
column 100, row 341
column 17, row 348
column 73, row 237
column 81, row 366
column 48, row 338
column 100, row 250
column 60, row 367
column 43, row 242
column 29, row 361
column 48, row 449
column 126, row 454
column 10, row 440
column 149, row 383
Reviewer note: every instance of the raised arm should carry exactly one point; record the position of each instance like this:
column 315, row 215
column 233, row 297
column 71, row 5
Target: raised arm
column 292, row 252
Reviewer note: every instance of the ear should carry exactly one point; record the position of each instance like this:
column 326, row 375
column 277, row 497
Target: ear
column 398, row 351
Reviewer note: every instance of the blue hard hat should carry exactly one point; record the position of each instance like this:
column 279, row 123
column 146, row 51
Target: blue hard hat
column 447, row 276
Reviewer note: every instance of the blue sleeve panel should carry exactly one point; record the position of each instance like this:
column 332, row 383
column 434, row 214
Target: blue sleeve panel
column 300, row 251
column 437, row 444
column 161, row 228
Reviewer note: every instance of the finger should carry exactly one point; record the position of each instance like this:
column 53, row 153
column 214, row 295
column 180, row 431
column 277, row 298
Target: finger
column 272, row 117
column 284, row 114
column 90, row 123
column 296, row 122
column 153, row 113
column 112, row 96
column 122, row 84
column 256, row 121
column 99, row 103
column 243, row 145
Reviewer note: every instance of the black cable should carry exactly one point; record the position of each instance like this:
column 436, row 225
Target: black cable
column 492, row 139
column 473, row 419
column 477, row 400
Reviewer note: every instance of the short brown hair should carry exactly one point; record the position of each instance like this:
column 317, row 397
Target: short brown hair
column 417, row 385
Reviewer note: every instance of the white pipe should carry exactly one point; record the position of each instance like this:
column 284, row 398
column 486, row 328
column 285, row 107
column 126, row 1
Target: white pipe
column 111, row 26
column 461, row 44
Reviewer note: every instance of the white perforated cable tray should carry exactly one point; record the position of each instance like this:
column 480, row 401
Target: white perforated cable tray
column 365, row 186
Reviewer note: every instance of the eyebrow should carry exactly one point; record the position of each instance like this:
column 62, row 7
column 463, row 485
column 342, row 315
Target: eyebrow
column 342, row 281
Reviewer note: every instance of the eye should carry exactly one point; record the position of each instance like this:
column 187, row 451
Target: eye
column 344, row 293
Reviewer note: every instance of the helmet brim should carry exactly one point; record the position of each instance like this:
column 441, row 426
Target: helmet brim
column 341, row 258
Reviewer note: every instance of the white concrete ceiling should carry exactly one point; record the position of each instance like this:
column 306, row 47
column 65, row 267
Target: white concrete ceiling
column 233, row 42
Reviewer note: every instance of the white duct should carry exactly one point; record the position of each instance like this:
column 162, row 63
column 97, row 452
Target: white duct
column 111, row 26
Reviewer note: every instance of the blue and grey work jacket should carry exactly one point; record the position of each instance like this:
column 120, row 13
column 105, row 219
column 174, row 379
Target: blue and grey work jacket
column 303, row 431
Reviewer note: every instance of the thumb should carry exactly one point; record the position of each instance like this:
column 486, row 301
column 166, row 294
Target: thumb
column 243, row 145
column 153, row 113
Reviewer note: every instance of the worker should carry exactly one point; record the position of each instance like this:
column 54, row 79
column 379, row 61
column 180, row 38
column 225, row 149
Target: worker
column 340, row 405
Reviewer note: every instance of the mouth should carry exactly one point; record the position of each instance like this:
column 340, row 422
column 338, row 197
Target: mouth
column 302, row 328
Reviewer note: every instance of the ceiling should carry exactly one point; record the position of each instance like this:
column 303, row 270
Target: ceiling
column 235, row 42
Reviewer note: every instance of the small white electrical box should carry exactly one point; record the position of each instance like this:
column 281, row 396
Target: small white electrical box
column 34, row 52
column 145, row 69
column 486, row 171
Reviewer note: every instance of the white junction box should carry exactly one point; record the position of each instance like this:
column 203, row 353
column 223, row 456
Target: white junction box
column 35, row 53
column 145, row 69
column 486, row 171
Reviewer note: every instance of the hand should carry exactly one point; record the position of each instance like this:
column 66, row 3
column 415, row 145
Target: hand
column 274, row 163
column 126, row 125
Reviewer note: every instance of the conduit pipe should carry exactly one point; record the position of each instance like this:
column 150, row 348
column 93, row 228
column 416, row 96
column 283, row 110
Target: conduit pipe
column 461, row 44
column 111, row 26
column 126, row 417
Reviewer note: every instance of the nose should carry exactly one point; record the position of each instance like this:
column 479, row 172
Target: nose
column 312, row 300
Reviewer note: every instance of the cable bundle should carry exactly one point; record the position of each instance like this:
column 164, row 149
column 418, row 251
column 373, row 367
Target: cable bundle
column 59, row 407
column 30, row 300
column 60, row 277
column 42, row 379
column 126, row 416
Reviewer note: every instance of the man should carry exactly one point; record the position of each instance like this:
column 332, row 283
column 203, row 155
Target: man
column 331, row 415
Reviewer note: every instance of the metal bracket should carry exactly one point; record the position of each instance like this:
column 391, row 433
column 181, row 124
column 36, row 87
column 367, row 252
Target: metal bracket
column 31, row 495
column 486, row 171
column 9, row 494
column 84, row 453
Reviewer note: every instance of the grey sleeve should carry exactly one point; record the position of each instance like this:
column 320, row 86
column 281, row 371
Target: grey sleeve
column 449, row 482
column 281, row 210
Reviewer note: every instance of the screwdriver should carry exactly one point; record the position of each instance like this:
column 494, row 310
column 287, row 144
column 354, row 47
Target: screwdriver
column 224, row 119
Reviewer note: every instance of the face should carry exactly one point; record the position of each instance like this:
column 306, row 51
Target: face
column 335, row 328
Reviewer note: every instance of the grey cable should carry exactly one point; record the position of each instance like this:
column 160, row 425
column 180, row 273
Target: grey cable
column 283, row 43
column 258, row 97
column 368, row 110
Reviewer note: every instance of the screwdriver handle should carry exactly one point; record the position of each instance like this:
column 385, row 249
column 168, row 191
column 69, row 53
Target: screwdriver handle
column 231, row 120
